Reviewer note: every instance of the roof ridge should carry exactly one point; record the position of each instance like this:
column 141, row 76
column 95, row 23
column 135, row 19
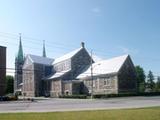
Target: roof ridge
column 126, row 55
column 112, row 65
column 40, row 59
column 39, row 56
column 67, row 55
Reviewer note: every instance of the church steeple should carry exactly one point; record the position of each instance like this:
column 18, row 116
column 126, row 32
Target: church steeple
column 19, row 61
column 44, row 51
column 20, row 56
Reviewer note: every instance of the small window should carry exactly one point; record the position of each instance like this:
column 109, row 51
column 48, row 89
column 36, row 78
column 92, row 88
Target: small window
column 107, row 82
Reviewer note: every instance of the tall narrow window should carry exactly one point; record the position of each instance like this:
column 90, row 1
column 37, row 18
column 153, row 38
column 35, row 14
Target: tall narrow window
column 107, row 81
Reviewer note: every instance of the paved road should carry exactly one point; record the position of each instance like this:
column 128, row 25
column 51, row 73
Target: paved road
column 50, row 105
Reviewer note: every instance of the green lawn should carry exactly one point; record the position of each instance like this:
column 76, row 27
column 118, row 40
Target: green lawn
column 125, row 114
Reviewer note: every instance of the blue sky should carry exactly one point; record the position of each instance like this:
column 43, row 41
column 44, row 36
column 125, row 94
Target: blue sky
column 108, row 27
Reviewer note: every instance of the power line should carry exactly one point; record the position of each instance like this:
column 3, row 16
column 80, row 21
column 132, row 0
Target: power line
column 49, row 44
column 37, row 48
column 60, row 46
column 36, row 40
column 26, row 46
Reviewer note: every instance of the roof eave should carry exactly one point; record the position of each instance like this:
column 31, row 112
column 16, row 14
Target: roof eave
column 99, row 75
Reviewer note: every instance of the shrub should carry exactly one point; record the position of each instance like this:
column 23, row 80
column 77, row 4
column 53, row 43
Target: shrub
column 74, row 96
column 149, row 94
column 126, row 94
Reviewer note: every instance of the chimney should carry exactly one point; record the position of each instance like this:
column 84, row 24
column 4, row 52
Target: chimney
column 82, row 44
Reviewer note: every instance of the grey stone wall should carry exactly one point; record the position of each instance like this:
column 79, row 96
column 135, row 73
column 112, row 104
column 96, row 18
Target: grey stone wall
column 106, row 84
column 67, row 87
column 127, row 77
column 72, row 87
column 56, row 88
column 18, row 75
column 46, row 84
column 77, row 88
column 33, row 84
column 62, row 66
column 76, row 65
column 38, row 75
column 80, row 62
column 28, row 81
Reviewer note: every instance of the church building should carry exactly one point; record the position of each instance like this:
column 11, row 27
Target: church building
column 74, row 73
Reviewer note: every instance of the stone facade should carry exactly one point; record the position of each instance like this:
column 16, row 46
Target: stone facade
column 2, row 70
column 68, row 87
column 66, row 83
column 124, row 81
column 44, row 77
column 56, row 88
column 102, row 84
column 79, row 62
column 127, row 78
column 72, row 87
column 62, row 66
column 33, row 74
column 75, row 65
column 28, row 80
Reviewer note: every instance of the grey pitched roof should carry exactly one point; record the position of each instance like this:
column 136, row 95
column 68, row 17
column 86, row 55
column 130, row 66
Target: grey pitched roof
column 56, row 75
column 105, row 67
column 67, row 56
column 40, row 59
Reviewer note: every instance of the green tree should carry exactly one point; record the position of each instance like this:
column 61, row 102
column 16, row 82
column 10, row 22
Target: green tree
column 158, row 84
column 140, row 78
column 9, row 84
column 150, row 81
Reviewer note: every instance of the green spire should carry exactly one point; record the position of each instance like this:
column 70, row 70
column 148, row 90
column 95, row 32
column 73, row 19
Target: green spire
column 20, row 50
column 44, row 51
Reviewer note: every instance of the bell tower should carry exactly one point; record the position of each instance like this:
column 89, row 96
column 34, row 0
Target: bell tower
column 19, row 61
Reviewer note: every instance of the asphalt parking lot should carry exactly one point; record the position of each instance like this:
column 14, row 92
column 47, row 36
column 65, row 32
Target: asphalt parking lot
column 54, row 104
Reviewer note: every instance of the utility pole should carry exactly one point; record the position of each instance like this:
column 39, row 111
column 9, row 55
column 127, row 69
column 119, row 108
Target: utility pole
column 91, row 76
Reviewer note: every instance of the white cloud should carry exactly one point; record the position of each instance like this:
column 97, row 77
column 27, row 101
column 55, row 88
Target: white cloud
column 128, row 50
column 96, row 10
column 125, row 50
